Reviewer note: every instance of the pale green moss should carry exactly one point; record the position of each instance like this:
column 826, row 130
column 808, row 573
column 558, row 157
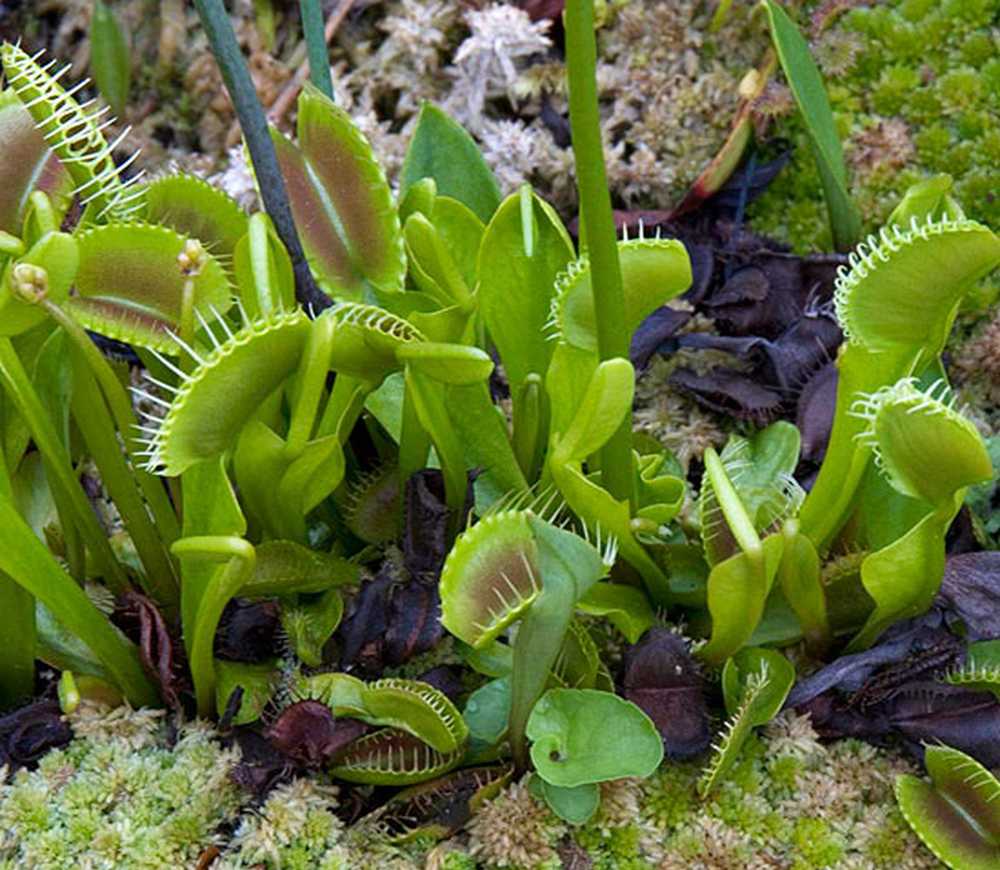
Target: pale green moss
column 118, row 797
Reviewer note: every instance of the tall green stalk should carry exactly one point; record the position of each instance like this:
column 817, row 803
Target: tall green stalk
column 235, row 74
column 598, row 226
column 319, row 62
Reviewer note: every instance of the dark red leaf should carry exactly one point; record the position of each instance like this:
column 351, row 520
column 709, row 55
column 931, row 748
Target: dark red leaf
column 28, row 733
column 971, row 588
column 309, row 735
column 661, row 677
column 162, row 654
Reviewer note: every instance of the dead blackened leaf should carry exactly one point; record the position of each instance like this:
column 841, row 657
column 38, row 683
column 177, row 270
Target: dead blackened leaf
column 261, row 766
column 309, row 735
column 660, row 676
column 814, row 412
column 28, row 733
column 925, row 712
column 390, row 620
column 729, row 392
column 440, row 808
column 162, row 653
column 248, row 631
column 661, row 325
column 971, row 589
column 414, row 621
column 361, row 634
column 425, row 524
column 848, row 674
column 893, row 690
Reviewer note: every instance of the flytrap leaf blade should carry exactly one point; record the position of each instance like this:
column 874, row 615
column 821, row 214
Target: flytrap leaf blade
column 654, row 271
column 491, row 576
column 341, row 202
column 28, row 165
column 130, row 285
column 957, row 815
column 221, row 396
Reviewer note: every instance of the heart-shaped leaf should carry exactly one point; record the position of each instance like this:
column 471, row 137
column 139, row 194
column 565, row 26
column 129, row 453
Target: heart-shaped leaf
column 582, row 736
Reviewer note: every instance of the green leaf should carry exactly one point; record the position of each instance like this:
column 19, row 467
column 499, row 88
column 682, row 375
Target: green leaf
column 486, row 712
column 447, row 363
column 654, row 271
column 57, row 255
column 981, row 670
column 755, row 683
column 288, row 568
column 575, row 805
column 606, row 402
column 28, row 165
column 310, row 624
column 442, row 150
column 626, row 607
column 258, row 682
column 207, row 415
column 522, row 253
column 482, row 429
column 341, row 201
column 958, row 814
column 131, row 287
column 571, row 732
column 737, row 594
column 195, row 208
column 27, row 562
column 110, row 64
column 804, row 80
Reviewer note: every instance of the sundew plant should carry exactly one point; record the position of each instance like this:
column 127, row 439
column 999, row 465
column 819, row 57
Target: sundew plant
column 271, row 345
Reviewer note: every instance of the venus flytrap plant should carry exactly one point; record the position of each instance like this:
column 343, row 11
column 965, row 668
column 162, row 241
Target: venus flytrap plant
column 929, row 452
column 957, row 814
column 755, row 683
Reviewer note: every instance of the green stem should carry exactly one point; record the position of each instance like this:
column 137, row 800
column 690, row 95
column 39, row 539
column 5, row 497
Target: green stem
column 270, row 181
column 94, row 421
column 598, row 226
column 241, row 559
column 120, row 405
column 59, row 466
column 17, row 628
column 319, row 61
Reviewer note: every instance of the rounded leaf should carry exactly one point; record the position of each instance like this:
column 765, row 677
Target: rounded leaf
column 582, row 736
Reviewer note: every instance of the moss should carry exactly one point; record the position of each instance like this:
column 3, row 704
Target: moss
column 929, row 68
column 118, row 797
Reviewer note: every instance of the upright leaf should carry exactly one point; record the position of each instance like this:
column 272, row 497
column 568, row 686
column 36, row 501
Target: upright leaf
column 804, row 79
column 442, row 150
column 341, row 201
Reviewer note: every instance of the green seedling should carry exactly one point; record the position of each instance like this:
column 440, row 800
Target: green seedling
column 755, row 683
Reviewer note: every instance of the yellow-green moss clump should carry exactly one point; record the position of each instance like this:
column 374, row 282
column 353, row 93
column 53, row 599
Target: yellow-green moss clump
column 125, row 795
column 118, row 797
column 790, row 802
column 913, row 85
